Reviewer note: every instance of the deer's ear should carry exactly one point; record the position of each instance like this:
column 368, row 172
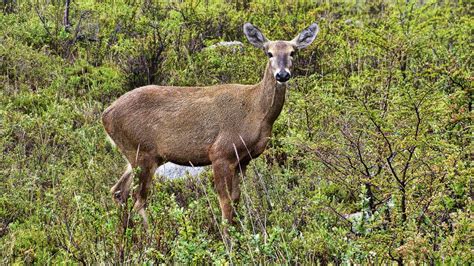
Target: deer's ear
column 306, row 37
column 254, row 35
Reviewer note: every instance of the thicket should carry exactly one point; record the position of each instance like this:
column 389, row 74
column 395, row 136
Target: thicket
column 370, row 161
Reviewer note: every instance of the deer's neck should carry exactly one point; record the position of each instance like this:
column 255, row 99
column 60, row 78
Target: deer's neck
column 271, row 96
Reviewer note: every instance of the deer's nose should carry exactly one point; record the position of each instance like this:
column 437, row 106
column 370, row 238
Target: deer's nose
column 282, row 76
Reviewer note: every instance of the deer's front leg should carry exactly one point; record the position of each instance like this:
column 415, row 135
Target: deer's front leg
column 224, row 172
column 236, row 180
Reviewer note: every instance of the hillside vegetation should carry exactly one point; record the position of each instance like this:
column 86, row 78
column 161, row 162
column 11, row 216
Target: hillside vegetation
column 370, row 160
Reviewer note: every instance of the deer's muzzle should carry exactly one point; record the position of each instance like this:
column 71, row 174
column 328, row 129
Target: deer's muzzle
column 283, row 76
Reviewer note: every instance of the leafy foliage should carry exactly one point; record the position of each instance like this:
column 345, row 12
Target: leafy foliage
column 370, row 161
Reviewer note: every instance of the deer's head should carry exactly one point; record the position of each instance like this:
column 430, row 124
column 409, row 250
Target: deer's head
column 280, row 53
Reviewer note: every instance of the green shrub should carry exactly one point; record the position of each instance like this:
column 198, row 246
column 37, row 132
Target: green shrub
column 369, row 161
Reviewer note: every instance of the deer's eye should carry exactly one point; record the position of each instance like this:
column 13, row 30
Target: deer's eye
column 270, row 55
column 292, row 53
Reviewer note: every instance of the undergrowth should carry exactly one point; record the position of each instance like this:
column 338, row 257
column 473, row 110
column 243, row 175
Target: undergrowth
column 369, row 162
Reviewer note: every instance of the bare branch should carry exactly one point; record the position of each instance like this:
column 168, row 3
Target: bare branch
column 66, row 21
column 347, row 221
column 392, row 155
column 411, row 150
column 43, row 21
column 361, row 159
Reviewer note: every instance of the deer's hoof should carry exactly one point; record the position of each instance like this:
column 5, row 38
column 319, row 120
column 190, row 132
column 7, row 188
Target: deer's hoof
column 118, row 198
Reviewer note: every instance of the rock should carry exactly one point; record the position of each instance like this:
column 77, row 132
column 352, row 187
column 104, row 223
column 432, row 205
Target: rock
column 353, row 216
column 356, row 23
column 233, row 45
column 171, row 170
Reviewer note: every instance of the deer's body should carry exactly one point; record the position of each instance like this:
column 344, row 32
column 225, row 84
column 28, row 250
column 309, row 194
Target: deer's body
column 189, row 125
column 223, row 125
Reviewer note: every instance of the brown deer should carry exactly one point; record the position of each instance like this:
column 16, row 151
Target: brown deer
column 224, row 125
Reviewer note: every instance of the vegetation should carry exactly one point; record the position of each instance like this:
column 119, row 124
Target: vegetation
column 370, row 161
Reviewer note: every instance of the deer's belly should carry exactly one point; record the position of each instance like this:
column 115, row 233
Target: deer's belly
column 191, row 162
column 185, row 149
column 189, row 156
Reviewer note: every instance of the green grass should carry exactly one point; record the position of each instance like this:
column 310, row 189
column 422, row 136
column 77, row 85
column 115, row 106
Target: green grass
column 376, row 121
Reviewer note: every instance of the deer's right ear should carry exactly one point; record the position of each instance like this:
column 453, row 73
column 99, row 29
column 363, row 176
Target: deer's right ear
column 254, row 35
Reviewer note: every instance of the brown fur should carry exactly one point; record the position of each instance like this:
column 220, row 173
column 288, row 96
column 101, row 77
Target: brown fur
column 224, row 125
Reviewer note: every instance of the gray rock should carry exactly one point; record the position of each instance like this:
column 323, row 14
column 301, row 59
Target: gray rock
column 233, row 45
column 356, row 23
column 354, row 216
column 171, row 170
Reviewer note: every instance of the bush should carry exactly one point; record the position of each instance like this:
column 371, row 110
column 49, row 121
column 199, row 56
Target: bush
column 369, row 161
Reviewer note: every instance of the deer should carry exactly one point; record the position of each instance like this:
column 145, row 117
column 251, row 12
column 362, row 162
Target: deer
column 224, row 126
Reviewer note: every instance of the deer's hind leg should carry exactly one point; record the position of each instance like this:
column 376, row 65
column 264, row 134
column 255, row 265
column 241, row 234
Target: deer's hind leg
column 147, row 167
column 121, row 189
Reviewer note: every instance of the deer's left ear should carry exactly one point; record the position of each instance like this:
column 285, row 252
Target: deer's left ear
column 306, row 37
